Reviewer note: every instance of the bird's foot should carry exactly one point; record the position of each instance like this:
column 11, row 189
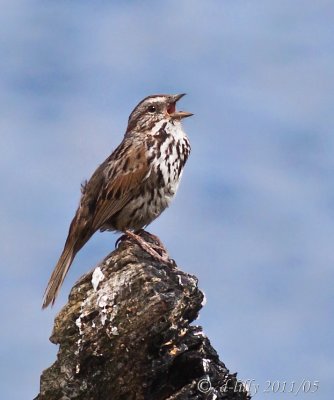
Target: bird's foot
column 152, row 249
column 122, row 238
column 157, row 243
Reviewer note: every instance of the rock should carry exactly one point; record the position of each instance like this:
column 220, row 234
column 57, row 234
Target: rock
column 125, row 333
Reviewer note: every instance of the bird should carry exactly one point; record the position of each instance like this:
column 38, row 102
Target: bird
column 133, row 186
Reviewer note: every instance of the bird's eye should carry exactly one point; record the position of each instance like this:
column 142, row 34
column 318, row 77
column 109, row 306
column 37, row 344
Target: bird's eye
column 151, row 109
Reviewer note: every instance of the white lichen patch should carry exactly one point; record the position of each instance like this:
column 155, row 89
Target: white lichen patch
column 78, row 323
column 103, row 317
column 81, row 326
column 179, row 278
column 204, row 300
column 114, row 331
column 97, row 277
column 200, row 333
column 206, row 363
column 79, row 347
column 102, row 303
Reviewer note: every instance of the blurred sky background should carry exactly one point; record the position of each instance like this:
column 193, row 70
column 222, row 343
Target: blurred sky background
column 254, row 216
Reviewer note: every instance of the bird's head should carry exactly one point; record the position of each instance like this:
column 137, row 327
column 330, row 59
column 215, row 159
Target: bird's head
column 154, row 109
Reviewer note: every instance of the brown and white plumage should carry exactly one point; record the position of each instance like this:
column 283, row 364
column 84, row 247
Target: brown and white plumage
column 134, row 184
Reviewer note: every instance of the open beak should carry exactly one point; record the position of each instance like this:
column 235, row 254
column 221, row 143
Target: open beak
column 171, row 110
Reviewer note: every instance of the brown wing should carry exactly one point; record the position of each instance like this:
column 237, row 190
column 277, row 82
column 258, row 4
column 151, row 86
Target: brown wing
column 123, row 177
column 108, row 190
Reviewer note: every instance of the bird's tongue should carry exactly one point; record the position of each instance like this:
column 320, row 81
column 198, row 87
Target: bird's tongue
column 171, row 108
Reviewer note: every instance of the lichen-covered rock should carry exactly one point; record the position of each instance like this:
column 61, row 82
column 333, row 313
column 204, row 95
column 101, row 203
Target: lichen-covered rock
column 125, row 334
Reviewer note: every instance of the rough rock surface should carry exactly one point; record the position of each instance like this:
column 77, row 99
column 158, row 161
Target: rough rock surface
column 125, row 333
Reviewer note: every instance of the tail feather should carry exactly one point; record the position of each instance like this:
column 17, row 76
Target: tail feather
column 58, row 275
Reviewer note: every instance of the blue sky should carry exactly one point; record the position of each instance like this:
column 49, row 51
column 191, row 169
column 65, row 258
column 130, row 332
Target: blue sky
column 254, row 216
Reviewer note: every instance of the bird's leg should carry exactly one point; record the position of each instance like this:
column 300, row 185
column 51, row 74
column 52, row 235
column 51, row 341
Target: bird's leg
column 147, row 247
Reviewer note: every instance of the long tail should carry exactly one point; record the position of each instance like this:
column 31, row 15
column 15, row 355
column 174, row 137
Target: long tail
column 58, row 275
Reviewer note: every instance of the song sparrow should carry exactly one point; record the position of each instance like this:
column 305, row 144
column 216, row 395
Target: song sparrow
column 133, row 185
